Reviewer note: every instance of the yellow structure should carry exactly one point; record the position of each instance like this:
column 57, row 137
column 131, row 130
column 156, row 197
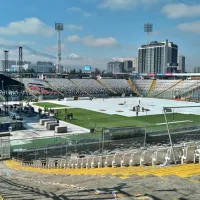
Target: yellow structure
column 53, row 88
column 133, row 88
column 180, row 81
column 30, row 92
column 151, row 88
column 183, row 171
column 107, row 88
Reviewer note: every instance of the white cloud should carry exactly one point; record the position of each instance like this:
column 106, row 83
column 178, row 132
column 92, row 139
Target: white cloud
column 14, row 44
column 73, row 56
column 93, row 42
column 124, row 4
column 53, row 48
column 192, row 27
column 120, row 59
column 179, row 10
column 28, row 26
column 73, row 38
column 74, row 27
column 79, row 10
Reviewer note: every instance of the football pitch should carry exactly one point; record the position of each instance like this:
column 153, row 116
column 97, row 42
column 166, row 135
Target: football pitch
column 91, row 119
column 89, row 116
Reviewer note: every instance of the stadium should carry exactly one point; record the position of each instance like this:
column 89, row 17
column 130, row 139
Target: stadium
column 102, row 126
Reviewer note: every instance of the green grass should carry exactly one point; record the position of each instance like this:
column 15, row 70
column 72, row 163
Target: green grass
column 90, row 119
column 49, row 105
column 37, row 142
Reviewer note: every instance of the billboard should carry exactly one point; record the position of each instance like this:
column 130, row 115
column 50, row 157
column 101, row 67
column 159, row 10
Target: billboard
column 168, row 74
column 159, row 74
column 151, row 74
column 87, row 68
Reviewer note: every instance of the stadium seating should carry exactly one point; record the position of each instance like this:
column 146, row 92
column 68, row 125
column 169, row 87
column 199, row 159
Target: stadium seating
column 91, row 86
column 117, row 160
column 109, row 160
column 89, row 162
column 120, row 86
column 143, row 86
column 169, row 158
column 135, row 158
column 188, row 154
column 146, row 157
column 84, row 162
column 126, row 159
column 158, row 156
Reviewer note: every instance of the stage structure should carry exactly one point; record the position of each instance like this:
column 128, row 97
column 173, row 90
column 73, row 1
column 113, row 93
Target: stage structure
column 59, row 27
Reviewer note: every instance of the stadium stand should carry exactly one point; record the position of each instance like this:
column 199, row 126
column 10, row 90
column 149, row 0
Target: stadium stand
column 143, row 86
column 91, row 86
column 156, row 156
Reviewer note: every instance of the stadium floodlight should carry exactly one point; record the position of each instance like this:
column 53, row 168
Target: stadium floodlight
column 59, row 27
column 148, row 28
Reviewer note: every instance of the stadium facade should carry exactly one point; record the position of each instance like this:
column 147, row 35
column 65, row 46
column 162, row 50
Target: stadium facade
column 157, row 57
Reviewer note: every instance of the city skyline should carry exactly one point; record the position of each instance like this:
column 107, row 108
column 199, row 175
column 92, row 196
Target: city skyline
column 97, row 32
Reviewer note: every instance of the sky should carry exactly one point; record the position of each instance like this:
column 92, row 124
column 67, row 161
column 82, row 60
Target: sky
column 97, row 31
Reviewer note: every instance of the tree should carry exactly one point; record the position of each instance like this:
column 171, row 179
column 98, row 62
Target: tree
column 97, row 72
column 73, row 71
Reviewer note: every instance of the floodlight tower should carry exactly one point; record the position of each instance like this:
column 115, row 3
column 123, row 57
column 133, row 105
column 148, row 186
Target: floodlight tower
column 5, row 70
column 148, row 28
column 59, row 27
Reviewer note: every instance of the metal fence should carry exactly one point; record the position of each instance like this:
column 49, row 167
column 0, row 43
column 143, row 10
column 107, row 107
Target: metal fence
column 101, row 142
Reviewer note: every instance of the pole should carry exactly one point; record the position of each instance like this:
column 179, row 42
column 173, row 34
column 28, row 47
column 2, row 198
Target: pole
column 169, row 135
column 145, row 137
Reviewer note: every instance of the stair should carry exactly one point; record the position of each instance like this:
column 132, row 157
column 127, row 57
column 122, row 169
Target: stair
column 189, row 93
column 180, row 81
column 107, row 88
column 151, row 88
column 53, row 88
column 134, row 89
column 78, row 86
column 31, row 93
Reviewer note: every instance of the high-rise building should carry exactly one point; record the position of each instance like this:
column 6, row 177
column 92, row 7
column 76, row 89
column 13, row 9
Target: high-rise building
column 196, row 70
column 181, row 64
column 128, row 65
column 135, row 65
column 157, row 57
column 115, row 67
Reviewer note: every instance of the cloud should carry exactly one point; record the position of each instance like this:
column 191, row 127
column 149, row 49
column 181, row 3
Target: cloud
column 73, row 38
column 28, row 26
column 74, row 56
column 192, row 27
column 74, row 27
column 9, row 44
column 179, row 10
column 53, row 48
column 120, row 59
column 91, row 41
column 124, row 4
column 79, row 10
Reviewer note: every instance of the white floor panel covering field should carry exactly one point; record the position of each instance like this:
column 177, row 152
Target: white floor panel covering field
column 111, row 106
